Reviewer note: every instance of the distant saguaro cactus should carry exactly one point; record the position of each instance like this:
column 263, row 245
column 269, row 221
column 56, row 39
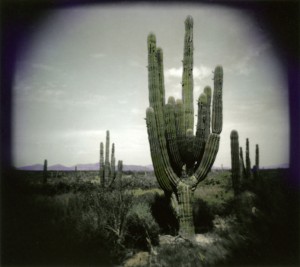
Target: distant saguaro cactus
column 256, row 169
column 45, row 172
column 248, row 162
column 236, row 161
column 107, row 170
column 242, row 162
column 181, row 159
column 101, row 166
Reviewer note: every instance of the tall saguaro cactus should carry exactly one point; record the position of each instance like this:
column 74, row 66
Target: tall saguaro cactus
column 181, row 159
column 107, row 170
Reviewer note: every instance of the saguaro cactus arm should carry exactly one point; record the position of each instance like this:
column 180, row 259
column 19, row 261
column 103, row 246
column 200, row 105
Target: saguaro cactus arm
column 162, row 168
column 167, row 122
column 201, row 137
column 187, row 75
column 209, row 156
column 217, row 112
column 171, row 136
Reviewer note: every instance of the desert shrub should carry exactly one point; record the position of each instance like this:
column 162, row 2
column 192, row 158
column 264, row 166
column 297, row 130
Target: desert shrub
column 135, row 180
column 164, row 215
column 142, row 196
column 50, row 226
column 203, row 216
column 141, row 229
column 180, row 254
column 238, row 239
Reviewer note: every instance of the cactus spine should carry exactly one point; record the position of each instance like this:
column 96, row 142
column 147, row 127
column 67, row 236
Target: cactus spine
column 45, row 173
column 181, row 159
column 107, row 170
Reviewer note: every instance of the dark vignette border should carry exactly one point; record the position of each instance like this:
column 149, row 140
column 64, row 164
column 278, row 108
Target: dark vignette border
column 279, row 19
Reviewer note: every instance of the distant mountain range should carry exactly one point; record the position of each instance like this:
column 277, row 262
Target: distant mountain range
column 95, row 167
column 83, row 167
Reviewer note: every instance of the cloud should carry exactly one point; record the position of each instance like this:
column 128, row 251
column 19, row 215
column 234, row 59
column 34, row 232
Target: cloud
column 135, row 64
column 136, row 111
column 41, row 66
column 200, row 73
column 243, row 65
column 97, row 55
column 173, row 72
column 80, row 133
column 122, row 101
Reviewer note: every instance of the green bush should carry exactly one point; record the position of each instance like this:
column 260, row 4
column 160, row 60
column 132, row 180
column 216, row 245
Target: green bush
column 203, row 216
column 164, row 215
column 180, row 254
column 141, row 229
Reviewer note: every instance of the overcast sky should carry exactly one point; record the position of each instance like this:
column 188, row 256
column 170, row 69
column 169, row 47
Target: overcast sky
column 84, row 72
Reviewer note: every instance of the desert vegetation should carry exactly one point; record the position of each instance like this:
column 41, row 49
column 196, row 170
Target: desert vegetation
column 71, row 221
column 182, row 214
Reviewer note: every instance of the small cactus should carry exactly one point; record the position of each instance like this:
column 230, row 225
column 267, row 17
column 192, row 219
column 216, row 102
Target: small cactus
column 101, row 165
column 45, row 172
column 248, row 162
column 107, row 164
column 244, row 175
column 235, row 162
column 107, row 170
column 256, row 167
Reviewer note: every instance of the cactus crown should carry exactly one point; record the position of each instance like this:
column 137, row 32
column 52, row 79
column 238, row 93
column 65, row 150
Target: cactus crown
column 174, row 147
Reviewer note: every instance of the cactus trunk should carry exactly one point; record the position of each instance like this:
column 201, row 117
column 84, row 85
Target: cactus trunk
column 243, row 170
column 248, row 162
column 185, row 211
column 101, row 166
column 181, row 159
column 107, row 165
column 257, row 157
column 235, row 162
column 113, row 161
column 256, row 167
